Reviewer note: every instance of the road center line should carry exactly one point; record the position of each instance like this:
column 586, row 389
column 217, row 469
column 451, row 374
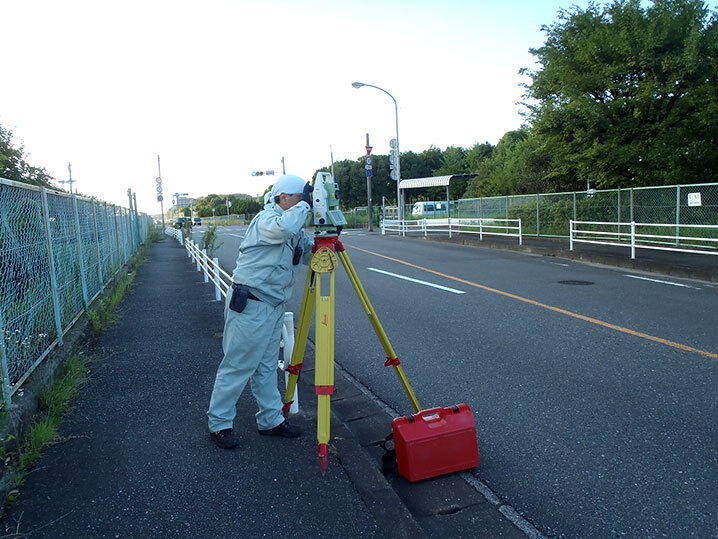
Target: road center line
column 549, row 307
column 662, row 282
column 453, row 290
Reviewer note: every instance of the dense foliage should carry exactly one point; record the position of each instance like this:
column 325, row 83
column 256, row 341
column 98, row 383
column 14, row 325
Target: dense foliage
column 622, row 96
column 13, row 164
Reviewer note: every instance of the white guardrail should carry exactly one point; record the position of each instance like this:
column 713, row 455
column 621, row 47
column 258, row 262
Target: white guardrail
column 482, row 227
column 222, row 282
column 609, row 233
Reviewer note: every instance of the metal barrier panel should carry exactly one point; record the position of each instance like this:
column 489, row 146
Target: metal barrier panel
column 67, row 263
column 26, row 308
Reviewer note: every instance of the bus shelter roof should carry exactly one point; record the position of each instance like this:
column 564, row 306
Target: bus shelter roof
column 432, row 181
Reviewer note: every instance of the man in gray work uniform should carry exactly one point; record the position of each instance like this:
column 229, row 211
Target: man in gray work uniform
column 269, row 257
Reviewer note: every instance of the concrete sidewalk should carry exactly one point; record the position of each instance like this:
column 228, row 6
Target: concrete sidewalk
column 136, row 459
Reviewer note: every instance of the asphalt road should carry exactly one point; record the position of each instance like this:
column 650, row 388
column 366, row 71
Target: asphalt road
column 594, row 402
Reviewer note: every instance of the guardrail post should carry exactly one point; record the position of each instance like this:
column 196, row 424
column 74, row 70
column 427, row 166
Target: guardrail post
column 79, row 250
column 51, row 258
column 633, row 239
column 570, row 234
column 205, row 265
column 5, row 373
column 481, row 229
column 448, row 219
column 195, row 254
column 97, row 244
column 217, row 290
column 520, row 240
column 423, row 226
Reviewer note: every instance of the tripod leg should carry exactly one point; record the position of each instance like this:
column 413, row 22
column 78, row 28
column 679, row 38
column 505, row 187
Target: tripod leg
column 378, row 329
column 324, row 367
column 300, row 341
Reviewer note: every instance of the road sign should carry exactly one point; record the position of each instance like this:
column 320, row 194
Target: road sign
column 368, row 167
column 368, row 173
column 368, row 148
column 368, row 160
column 229, row 203
column 159, row 189
column 392, row 143
column 159, row 198
column 159, row 180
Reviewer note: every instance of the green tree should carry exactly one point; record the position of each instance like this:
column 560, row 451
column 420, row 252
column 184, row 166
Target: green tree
column 626, row 96
column 13, row 165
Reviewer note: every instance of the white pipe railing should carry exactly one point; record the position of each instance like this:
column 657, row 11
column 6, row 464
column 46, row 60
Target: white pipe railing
column 579, row 232
column 174, row 233
column 210, row 266
column 482, row 227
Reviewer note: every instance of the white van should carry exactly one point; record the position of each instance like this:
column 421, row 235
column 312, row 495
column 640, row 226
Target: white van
column 430, row 209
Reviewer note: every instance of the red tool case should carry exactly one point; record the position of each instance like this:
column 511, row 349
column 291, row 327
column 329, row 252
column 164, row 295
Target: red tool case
column 436, row 441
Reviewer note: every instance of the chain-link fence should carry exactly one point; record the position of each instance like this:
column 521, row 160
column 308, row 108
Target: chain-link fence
column 549, row 214
column 57, row 252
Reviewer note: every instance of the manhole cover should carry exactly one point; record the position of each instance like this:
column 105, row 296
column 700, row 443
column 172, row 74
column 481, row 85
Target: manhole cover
column 584, row 283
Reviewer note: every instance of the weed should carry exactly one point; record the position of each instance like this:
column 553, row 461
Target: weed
column 209, row 241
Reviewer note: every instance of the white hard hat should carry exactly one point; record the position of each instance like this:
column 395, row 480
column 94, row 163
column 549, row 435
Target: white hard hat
column 289, row 184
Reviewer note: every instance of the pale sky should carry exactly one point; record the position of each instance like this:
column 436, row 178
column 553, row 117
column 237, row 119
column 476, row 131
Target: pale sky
column 221, row 88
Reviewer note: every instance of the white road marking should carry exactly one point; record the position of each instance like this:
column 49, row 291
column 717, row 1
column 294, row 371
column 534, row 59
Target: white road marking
column 418, row 281
column 235, row 235
column 662, row 282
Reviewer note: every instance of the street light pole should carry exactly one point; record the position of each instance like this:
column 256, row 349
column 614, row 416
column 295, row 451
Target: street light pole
column 400, row 208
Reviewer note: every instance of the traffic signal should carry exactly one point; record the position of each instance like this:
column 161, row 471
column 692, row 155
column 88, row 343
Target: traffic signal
column 257, row 173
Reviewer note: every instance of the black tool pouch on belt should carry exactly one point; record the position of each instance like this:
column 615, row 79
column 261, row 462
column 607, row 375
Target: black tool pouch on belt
column 298, row 252
column 240, row 293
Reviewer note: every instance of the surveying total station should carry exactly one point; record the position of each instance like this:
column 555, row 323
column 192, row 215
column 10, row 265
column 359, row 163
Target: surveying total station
column 429, row 442
column 327, row 218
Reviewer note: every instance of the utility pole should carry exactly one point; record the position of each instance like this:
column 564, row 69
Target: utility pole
column 159, row 196
column 368, row 182
column 70, row 180
column 331, row 155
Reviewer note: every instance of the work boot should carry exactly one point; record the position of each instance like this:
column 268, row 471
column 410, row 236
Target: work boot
column 224, row 438
column 284, row 429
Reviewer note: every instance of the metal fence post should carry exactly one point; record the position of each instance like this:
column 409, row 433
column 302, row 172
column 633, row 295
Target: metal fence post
column 570, row 232
column 79, row 251
column 217, row 291
column 678, row 212
column 117, row 236
column 97, row 245
column 51, row 258
column 5, row 373
column 633, row 239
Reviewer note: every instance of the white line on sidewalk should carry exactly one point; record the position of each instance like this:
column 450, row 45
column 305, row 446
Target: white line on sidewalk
column 418, row 281
column 662, row 282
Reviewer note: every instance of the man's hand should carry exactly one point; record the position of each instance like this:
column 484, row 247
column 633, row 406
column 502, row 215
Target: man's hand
column 307, row 194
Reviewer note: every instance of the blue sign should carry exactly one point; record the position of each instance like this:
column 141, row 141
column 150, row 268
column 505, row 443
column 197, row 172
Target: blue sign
column 368, row 173
column 159, row 198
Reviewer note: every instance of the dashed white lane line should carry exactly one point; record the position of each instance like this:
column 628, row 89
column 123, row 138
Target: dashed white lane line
column 447, row 289
column 662, row 282
column 235, row 235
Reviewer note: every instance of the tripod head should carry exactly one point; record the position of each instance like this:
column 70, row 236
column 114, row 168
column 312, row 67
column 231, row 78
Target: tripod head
column 326, row 215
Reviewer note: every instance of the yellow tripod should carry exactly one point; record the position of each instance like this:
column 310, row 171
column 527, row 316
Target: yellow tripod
column 324, row 261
